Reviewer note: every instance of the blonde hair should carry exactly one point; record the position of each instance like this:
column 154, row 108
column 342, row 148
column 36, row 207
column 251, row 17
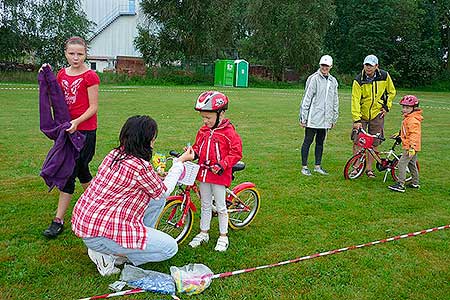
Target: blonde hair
column 76, row 40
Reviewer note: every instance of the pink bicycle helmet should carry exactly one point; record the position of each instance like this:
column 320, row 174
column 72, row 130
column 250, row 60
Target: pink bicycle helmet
column 211, row 101
column 409, row 100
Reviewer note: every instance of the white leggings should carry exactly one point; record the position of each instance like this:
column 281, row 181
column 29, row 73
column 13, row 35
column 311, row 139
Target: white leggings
column 207, row 191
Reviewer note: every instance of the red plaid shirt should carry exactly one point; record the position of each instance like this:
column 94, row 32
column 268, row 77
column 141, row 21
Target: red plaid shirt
column 113, row 205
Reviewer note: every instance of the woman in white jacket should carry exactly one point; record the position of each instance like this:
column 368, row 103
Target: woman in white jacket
column 319, row 112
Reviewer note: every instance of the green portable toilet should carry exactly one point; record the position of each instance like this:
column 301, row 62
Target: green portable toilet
column 241, row 73
column 224, row 72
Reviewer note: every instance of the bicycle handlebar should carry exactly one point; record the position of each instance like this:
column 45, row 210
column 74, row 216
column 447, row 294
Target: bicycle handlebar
column 174, row 153
column 377, row 136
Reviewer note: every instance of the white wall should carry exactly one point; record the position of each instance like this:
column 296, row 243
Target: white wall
column 116, row 39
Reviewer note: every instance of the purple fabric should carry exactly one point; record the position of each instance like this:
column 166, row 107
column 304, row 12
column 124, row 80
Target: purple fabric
column 54, row 120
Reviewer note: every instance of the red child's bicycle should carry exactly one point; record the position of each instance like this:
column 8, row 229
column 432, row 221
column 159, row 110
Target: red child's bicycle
column 386, row 161
column 177, row 217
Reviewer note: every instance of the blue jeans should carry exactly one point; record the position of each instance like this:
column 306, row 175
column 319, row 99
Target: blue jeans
column 159, row 247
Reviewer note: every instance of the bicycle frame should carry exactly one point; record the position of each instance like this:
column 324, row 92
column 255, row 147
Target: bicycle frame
column 176, row 218
column 232, row 194
column 187, row 203
column 376, row 155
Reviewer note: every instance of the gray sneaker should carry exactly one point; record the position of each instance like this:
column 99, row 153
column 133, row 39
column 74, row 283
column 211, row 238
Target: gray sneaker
column 306, row 172
column 413, row 186
column 397, row 187
column 320, row 170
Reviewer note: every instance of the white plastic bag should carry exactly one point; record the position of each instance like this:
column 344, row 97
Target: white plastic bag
column 191, row 279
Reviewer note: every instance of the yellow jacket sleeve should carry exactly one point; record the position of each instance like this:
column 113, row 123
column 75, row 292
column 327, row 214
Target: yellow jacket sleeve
column 390, row 90
column 356, row 101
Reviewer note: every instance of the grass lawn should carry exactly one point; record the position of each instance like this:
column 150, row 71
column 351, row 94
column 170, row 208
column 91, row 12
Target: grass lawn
column 299, row 215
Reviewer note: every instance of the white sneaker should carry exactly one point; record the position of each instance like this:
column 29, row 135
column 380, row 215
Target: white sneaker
column 306, row 171
column 222, row 244
column 320, row 170
column 199, row 239
column 104, row 262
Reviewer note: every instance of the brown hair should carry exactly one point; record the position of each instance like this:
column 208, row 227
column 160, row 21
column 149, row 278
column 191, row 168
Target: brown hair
column 76, row 40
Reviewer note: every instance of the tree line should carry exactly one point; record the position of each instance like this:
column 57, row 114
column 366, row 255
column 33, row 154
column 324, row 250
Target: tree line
column 410, row 37
column 37, row 30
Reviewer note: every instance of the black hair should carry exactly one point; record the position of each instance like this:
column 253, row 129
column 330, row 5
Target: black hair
column 136, row 136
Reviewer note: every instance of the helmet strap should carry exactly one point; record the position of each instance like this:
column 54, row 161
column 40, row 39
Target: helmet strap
column 217, row 119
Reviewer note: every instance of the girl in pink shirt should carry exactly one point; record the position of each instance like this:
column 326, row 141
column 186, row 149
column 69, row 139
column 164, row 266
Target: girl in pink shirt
column 80, row 87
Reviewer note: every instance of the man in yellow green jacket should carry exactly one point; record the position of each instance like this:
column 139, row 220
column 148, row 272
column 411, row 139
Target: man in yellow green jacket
column 372, row 94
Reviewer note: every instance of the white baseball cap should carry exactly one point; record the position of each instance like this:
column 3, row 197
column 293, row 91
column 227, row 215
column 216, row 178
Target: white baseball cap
column 371, row 60
column 326, row 60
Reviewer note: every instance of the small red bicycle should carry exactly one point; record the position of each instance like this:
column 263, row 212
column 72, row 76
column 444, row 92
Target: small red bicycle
column 177, row 217
column 386, row 161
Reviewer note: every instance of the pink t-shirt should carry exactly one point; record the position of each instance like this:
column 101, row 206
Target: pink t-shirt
column 76, row 95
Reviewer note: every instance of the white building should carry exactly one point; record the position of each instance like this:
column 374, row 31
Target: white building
column 116, row 27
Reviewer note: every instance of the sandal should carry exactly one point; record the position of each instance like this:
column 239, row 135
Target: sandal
column 370, row 174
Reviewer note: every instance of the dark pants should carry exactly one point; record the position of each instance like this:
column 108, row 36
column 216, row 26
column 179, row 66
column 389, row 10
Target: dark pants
column 81, row 169
column 309, row 137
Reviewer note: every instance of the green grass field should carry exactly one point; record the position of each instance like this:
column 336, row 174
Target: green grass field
column 298, row 216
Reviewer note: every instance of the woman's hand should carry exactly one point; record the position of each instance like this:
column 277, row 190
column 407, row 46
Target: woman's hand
column 187, row 155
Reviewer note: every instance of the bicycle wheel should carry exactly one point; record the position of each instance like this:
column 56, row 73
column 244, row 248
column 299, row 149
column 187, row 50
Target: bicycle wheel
column 170, row 221
column 394, row 170
column 355, row 166
column 243, row 208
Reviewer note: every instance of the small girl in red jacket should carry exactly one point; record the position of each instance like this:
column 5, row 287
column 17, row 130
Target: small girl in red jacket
column 218, row 148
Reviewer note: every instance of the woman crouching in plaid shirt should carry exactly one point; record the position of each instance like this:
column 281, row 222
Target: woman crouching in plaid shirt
column 116, row 214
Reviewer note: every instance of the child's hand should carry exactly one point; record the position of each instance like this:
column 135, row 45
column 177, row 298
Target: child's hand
column 187, row 155
column 217, row 169
column 73, row 127
column 43, row 66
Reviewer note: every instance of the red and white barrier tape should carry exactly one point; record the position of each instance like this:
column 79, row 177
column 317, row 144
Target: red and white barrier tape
column 398, row 237
column 122, row 293
column 295, row 260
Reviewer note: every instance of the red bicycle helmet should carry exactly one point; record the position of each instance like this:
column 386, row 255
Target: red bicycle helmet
column 211, row 101
column 409, row 100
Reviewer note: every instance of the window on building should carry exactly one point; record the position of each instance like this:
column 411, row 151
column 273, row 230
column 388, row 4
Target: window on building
column 93, row 66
